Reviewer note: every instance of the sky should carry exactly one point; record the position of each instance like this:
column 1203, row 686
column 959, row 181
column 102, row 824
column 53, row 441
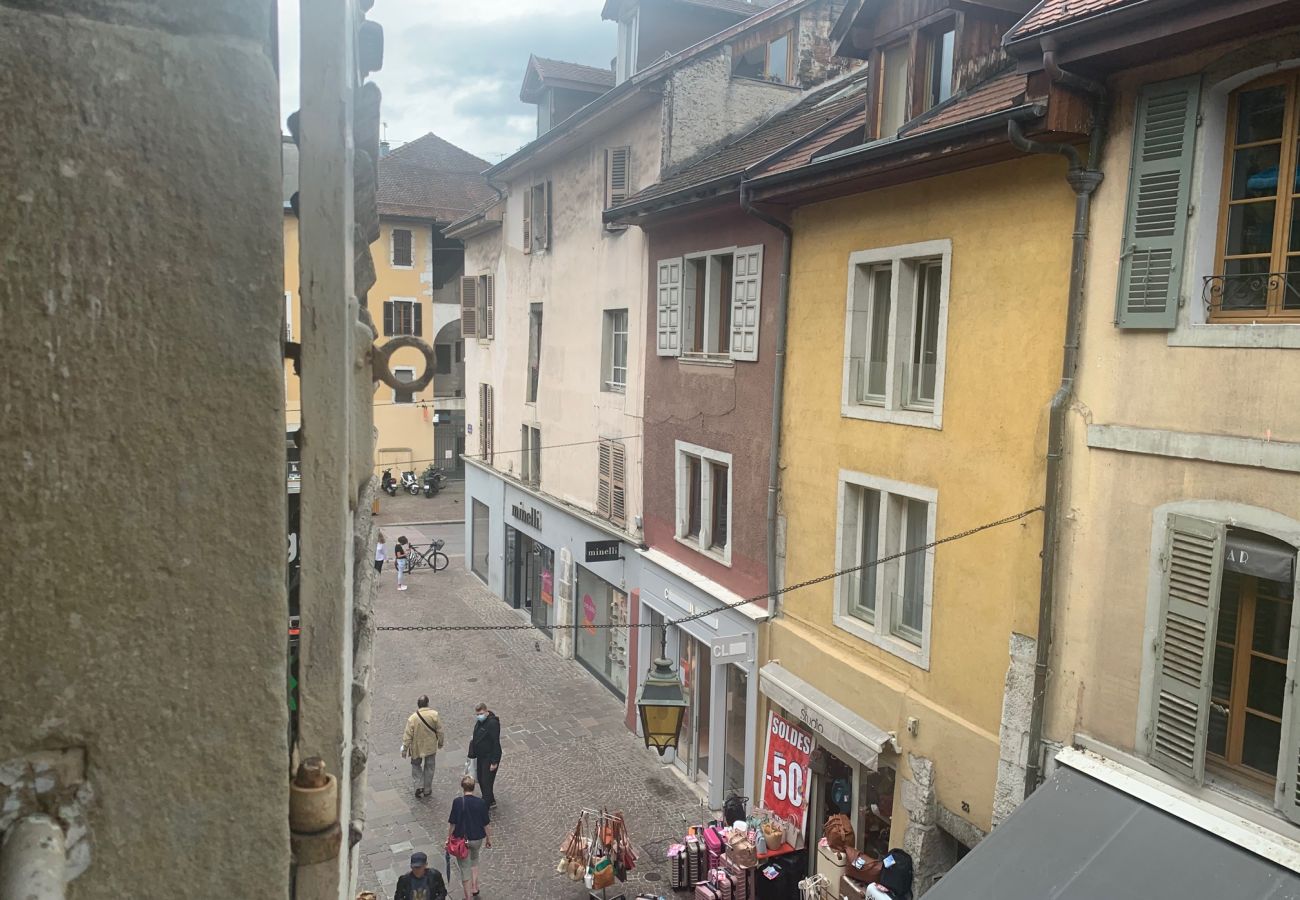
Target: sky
column 454, row 67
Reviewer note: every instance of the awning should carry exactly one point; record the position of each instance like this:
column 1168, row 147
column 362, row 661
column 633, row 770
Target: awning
column 825, row 717
column 1079, row 838
column 1256, row 556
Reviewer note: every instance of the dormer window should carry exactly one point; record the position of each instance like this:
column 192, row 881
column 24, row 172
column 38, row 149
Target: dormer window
column 940, row 47
column 891, row 97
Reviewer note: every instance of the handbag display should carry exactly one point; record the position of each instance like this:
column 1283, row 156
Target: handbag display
column 602, row 873
column 838, row 832
column 862, row 868
column 741, row 851
column 773, row 833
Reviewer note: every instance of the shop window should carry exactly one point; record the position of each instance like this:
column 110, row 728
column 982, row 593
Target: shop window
column 1220, row 693
column 735, row 719
column 602, row 630
column 1258, row 273
column 695, row 663
column 704, row 500
column 896, row 334
column 887, row 604
column 479, row 531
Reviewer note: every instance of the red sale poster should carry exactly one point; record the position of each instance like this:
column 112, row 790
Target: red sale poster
column 785, row 770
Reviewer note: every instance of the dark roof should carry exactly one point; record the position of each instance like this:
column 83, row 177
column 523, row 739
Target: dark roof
column 819, row 108
column 739, row 7
column 1053, row 13
column 560, row 70
column 430, row 178
column 994, row 95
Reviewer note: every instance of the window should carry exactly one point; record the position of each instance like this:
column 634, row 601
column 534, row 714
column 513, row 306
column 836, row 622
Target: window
column 401, row 243
column 895, row 334
column 537, row 217
column 618, row 177
column 403, row 373
column 887, row 604
column 891, row 90
column 1258, row 274
column 769, row 61
column 614, row 351
column 709, row 304
column 1219, row 689
column 611, row 477
column 704, row 500
column 485, row 423
column 530, row 454
column 477, row 306
column 403, row 315
column 459, row 353
column 442, row 359
column 534, row 350
column 939, row 65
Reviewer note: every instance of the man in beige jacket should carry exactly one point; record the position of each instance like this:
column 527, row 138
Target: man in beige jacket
column 421, row 742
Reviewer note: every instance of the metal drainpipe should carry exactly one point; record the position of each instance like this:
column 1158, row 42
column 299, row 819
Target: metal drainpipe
column 1084, row 180
column 33, row 860
column 778, row 392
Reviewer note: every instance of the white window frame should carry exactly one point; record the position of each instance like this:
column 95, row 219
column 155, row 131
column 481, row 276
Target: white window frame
column 392, row 247
column 712, row 306
column 413, row 302
column 880, row 632
column 415, row 395
column 904, row 260
column 608, row 334
column 701, row 545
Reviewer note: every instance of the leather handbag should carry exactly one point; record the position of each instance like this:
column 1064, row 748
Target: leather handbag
column 838, row 832
column 862, row 868
column 773, row 833
column 740, row 850
column 602, row 873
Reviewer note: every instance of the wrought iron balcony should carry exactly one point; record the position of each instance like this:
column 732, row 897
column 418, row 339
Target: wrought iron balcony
column 1250, row 291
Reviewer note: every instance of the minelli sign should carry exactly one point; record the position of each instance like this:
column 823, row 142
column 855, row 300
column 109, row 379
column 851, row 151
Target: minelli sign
column 531, row 516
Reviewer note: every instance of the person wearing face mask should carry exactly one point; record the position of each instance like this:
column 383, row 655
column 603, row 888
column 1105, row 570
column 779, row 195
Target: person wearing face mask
column 485, row 750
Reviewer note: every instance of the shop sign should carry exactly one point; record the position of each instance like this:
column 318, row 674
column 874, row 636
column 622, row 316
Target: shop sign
column 531, row 516
column 786, row 772
column 730, row 649
column 603, row 551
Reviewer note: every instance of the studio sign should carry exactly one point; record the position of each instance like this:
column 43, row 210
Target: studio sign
column 531, row 516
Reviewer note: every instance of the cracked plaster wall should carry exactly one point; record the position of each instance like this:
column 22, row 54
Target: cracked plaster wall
column 142, row 453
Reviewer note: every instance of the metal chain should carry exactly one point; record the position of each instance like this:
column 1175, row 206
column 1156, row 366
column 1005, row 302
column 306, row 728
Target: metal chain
column 528, row 626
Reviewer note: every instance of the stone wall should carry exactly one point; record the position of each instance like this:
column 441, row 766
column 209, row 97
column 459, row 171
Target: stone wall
column 143, row 486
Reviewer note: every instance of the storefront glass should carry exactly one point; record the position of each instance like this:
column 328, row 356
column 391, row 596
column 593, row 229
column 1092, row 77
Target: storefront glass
column 733, row 763
column 479, row 536
column 530, row 577
column 696, row 664
column 601, row 630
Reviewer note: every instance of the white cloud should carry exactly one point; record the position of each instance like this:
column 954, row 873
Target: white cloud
column 454, row 67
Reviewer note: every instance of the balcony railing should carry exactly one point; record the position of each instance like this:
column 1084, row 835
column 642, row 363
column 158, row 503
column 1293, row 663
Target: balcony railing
column 1252, row 292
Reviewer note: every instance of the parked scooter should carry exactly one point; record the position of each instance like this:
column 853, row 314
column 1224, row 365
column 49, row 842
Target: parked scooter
column 389, row 483
column 434, row 480
column 410, row 484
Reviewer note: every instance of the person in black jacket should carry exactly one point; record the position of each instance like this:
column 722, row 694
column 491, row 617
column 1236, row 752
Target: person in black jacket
column 485, row 750
column 421, row 883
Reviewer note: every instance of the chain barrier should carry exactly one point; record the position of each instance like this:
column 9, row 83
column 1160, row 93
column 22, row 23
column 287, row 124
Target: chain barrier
column 528, row 626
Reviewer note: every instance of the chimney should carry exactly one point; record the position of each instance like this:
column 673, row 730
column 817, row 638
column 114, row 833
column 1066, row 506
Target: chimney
column 383, row 149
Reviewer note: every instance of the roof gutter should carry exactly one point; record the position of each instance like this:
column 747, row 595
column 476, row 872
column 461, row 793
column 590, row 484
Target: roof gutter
column 1084, row 176
column 883, row 149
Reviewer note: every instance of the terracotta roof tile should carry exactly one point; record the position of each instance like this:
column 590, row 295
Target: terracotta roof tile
column 430, row 178
column 1053, row 13
column 804, row 151
column 433, row 152
column 998, row 93
column 815, row 110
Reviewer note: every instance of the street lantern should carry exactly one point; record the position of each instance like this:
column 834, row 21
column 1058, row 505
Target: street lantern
column 661, row 702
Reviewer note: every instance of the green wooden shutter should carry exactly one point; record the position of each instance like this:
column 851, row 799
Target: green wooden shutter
column 1160, row 182
column 1288, row 766
column 1189, row 612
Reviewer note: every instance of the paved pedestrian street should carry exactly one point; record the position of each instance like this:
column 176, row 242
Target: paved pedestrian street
column 562, row 733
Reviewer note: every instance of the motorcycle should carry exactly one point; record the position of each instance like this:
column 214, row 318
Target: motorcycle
column 434, row 480
column 389, row 483
column 410, row 484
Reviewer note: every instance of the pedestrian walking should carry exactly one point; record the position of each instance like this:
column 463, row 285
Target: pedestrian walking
column 485, row 750
column 399, row 553
column 470, row 821
column 421, row 883
column 381, row 553
column 421, row 742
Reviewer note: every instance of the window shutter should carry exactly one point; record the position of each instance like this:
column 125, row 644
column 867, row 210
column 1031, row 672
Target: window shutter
column 418, row 329
column 489, row 306
column 669, row 292
column 604, row 486
column 490, row 431
column 1155, row 230
column 388, row 317
column 482, row 422
column 617, row 177
column 746, row 294
column 617, row 479
column 1189, row 611
column 528, row 220
column 546, row 220
column 468, row 306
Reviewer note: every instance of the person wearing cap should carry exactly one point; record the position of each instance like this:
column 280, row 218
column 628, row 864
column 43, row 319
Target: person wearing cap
column 421, row 883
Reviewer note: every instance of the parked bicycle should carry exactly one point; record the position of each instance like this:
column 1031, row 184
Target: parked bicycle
column 428, row 556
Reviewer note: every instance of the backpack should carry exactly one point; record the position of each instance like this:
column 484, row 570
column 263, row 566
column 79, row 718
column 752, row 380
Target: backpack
column 896, row 872
column 734, row 809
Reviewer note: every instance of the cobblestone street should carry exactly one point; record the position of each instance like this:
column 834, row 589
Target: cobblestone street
column 564, row 742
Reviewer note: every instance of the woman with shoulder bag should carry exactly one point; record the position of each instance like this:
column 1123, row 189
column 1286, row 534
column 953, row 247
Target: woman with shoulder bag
column 469, row 827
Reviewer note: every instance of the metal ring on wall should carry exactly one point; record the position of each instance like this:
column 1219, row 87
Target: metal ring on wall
column 383, row 355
